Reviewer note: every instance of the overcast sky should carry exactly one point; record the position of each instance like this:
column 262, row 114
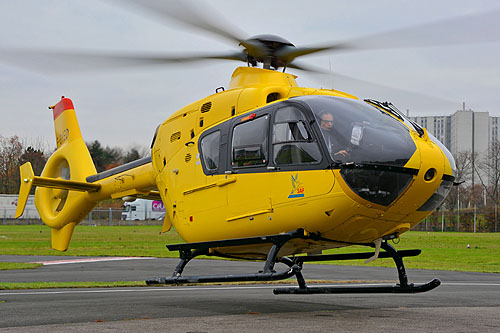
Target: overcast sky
column 122, row 108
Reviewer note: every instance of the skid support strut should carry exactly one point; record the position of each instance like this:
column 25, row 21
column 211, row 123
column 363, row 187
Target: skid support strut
column 295, row 264
column 402, row 287
column 268, row 274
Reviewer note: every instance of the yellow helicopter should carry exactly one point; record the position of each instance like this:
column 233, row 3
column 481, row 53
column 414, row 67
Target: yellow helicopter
column 263, row 170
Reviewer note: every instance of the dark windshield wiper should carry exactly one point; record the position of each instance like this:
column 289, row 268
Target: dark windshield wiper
column 374, row 166
column 389, row 107
column 417, row 127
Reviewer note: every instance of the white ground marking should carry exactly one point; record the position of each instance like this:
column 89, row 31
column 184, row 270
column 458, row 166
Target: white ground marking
column 86, row 260
column 197, row 289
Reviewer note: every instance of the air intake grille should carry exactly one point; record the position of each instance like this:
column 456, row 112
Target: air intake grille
column 206, row 107
column 176, row 136
column 187, row 158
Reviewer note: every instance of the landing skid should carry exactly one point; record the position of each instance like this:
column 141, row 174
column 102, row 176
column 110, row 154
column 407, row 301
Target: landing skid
column 295, row 264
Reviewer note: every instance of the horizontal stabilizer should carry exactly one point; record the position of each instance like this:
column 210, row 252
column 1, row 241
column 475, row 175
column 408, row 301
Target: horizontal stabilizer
column 28, row 180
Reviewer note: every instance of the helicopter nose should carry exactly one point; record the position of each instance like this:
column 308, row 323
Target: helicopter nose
column 451, row 160
column 447, row 178
column 419, row 186
column 434, row 166
column 437, row 197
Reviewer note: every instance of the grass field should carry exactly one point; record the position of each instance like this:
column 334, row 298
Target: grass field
column 142, row 241
column 18, row 265
column 445, row 251
column 69, row 284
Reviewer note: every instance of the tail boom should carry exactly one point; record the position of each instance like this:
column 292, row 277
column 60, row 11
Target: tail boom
column 69, row 186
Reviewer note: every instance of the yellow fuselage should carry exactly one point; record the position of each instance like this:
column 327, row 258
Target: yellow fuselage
column 235, row 205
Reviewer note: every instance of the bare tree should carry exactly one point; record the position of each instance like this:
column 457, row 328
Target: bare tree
column 15, row 152
column 490, row 179
column 12, row 154
column 10, row 151
column 461, row 193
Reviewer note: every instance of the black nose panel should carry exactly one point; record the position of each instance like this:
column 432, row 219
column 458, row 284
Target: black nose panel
column 380, row 187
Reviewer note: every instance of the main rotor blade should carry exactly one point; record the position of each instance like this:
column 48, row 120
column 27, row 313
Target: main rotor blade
column 50, row 61
column 306, row 68
column 197, row 16
column 468, row 29
column 367, row 89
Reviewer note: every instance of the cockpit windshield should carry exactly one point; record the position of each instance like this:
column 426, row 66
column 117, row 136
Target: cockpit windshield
column 354, row 131
column 378, row 144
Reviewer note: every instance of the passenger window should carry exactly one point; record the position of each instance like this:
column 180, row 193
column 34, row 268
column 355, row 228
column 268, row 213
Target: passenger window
column 249, row 145
column 292, row 142
column 210, row 150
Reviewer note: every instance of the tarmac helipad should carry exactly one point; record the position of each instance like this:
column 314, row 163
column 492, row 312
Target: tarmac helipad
column 465, row 302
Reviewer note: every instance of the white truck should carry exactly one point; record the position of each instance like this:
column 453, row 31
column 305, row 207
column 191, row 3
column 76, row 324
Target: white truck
column 142, row 209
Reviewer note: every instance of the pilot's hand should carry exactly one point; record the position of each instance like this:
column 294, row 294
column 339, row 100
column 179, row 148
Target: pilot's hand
column 342, row 152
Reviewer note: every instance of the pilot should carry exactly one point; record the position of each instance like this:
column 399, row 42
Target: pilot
column 326, row 124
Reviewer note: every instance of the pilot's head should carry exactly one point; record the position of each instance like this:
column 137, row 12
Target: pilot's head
column 326, row 120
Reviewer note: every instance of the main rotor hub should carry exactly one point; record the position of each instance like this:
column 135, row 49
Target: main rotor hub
column 271, row 41
column 265, row 50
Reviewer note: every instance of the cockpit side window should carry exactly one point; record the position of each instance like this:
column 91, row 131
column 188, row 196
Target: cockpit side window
column 210, row 150
column 249, row 143
column 292, row 141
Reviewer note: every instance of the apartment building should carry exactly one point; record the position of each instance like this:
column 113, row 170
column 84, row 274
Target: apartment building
column 465, row 130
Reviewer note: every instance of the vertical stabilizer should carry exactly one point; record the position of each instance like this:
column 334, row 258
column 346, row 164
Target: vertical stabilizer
column 69, row 188
column 62, row 209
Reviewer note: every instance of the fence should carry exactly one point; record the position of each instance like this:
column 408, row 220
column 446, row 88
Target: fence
column 465, row 220
column 102, row 216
